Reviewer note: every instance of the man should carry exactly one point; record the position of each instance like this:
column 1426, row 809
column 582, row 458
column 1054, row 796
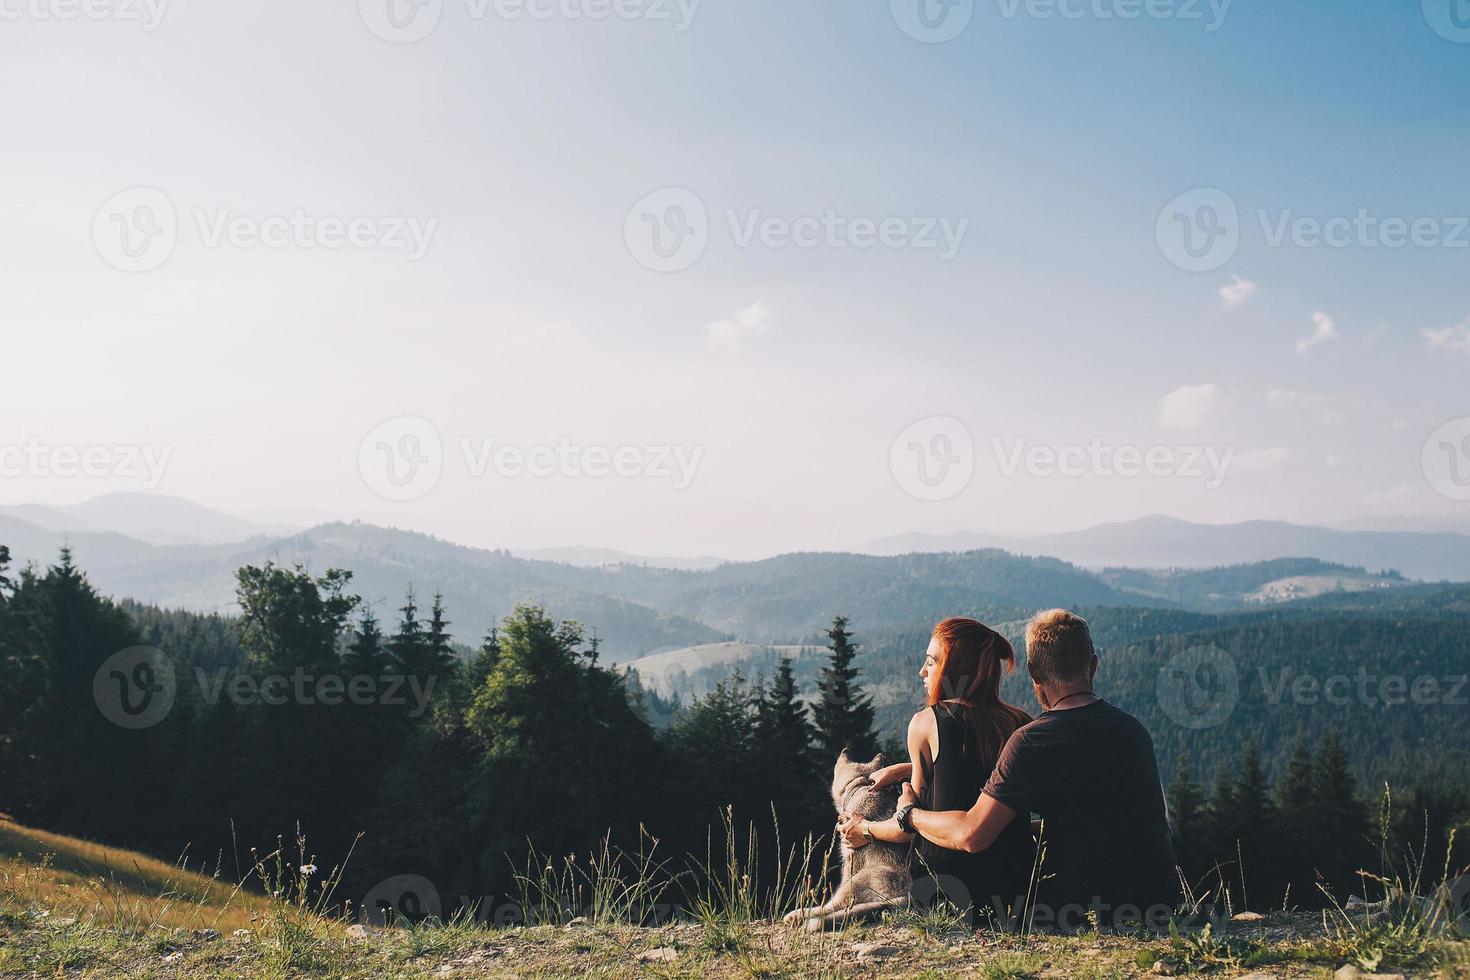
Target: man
column 1088, row 769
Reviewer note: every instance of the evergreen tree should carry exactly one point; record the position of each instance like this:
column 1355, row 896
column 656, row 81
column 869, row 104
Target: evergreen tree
column 1221, row 829
column 409, row 644
column 783, row 751
column 366, row 655
column 1254, row 820
column 1337, row 814
column 1188, row 820
column 439, row 656
column 1296, row 838
column 843, row 714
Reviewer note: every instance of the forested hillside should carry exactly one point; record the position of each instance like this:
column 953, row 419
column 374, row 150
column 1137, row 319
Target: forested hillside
column 159, row 729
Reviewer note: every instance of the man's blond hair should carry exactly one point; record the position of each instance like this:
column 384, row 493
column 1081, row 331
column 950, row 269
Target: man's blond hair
column 1058, row 647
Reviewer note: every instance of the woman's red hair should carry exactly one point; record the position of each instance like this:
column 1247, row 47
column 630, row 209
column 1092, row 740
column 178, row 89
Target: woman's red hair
column 967, row 674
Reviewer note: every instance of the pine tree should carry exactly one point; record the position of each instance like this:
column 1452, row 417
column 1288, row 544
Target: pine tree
column 1254, row 818
column 366, row 656
column 438, row 651
column 843, row 714
column 1296, row 838
column 483, row 662
column 408, row 646
column 1187, row 819
column 1221, row 829
column 1338, row 815
column 782, row 747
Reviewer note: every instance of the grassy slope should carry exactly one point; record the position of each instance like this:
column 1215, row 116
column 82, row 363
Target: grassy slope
column 72, row 878
column 74, row 908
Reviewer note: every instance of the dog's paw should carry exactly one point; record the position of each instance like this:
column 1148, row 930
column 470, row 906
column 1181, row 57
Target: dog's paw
column 814, row 924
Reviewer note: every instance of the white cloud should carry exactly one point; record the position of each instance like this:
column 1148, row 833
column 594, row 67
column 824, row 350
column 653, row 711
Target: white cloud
column 1325, row 330
column 730, row 334
column 1455, row 338
column 1260, row 460
column 1186, row 406
column 1236, row 293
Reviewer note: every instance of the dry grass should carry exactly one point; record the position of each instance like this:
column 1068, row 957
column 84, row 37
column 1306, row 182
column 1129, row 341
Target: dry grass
column 101, row 885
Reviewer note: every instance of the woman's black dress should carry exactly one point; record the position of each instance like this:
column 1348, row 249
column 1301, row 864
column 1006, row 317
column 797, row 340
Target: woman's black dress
column 993, row 882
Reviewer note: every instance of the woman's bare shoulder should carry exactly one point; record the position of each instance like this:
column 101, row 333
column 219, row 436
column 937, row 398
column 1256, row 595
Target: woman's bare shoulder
column 922, row 722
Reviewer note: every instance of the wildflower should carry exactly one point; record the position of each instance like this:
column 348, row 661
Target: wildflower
column 308, row 869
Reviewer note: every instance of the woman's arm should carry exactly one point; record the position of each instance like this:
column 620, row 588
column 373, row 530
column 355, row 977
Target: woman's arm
column 894, row 775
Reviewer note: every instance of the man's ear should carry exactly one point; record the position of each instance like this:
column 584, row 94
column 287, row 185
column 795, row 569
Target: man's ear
column 1093, row 674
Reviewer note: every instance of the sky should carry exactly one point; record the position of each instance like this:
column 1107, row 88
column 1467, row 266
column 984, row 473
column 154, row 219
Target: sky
column 738, row 276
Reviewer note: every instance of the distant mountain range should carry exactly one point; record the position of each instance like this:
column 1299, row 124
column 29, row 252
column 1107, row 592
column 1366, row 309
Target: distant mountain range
column 598, row 557
column 1165, row 542
column 152, row 518
column 176, row 554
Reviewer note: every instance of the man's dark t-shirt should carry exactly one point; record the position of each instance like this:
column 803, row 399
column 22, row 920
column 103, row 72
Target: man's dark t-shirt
column 1091, row 775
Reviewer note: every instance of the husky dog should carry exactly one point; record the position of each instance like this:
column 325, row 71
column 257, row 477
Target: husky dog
column 875, row 878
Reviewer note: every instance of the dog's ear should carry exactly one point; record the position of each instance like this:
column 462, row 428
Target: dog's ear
column 842, row 756
column 877, row 762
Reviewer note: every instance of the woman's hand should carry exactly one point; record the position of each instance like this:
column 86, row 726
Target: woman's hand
column 852, row 832
column 907, row 796
column 890, row 775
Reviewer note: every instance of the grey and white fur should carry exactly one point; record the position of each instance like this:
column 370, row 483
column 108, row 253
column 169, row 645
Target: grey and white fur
column 875, row 878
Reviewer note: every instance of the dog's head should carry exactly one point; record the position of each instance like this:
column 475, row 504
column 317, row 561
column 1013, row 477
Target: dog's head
column 847, row 775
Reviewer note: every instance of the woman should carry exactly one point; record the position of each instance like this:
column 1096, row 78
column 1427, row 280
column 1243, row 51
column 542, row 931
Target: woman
column 953, row 744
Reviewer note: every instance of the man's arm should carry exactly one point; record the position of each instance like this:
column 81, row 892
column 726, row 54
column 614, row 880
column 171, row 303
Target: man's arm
column 970, row 830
